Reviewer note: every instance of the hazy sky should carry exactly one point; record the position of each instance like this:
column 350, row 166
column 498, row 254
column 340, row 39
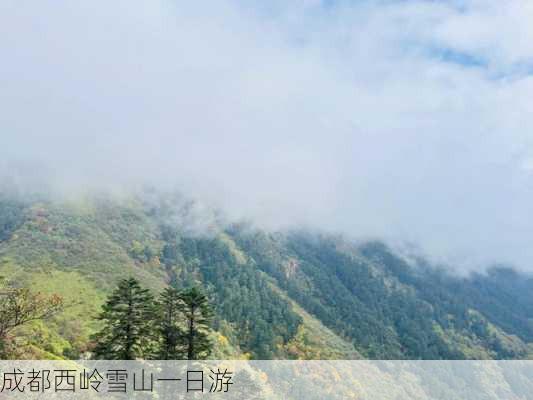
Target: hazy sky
column 407, row 120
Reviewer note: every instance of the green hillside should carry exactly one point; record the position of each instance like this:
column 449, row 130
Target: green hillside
column 276, row 295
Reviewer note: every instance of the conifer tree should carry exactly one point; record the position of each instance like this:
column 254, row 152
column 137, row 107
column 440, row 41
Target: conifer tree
column 128, row 318
column 171, row 326
column 198, row 314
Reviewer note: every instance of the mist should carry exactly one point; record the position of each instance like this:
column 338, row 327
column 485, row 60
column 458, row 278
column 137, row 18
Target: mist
column 406, row 121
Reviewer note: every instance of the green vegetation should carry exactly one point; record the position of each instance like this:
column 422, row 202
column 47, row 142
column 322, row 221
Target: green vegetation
column 135, row 326
column 170, row 326
column 274, row 295
column 12, row 214
column 127, row 316
column 197, row 312
column 18, row 307
column 184, row 325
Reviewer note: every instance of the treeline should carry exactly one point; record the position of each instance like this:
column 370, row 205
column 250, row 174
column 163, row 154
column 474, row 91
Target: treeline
column 247, row 310
column 389, row 309
column 136, row 325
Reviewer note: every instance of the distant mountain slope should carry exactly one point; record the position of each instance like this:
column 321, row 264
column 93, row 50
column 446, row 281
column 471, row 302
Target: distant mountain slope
column 276, row 295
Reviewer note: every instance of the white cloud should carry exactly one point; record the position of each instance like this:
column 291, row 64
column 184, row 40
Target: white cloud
column 357, row 117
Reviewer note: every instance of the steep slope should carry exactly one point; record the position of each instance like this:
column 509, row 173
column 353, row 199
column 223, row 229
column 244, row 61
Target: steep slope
column 276, row 295
column 388, row 308
column 80, row 251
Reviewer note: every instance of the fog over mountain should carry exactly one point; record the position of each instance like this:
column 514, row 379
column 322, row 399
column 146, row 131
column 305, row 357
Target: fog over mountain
column 409, row 121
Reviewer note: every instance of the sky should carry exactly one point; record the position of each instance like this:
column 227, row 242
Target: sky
column 410, row 121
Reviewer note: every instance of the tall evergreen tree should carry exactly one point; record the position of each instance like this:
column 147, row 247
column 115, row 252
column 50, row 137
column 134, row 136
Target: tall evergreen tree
column 171, row 326
column 198, row 314
column 128, row 318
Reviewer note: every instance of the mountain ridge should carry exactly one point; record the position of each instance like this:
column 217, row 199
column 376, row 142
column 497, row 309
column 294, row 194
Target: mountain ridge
column 294, row 294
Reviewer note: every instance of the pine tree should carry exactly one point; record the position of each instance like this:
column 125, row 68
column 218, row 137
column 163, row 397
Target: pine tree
column 195, row 307
column 171, row 326
column 128, row 318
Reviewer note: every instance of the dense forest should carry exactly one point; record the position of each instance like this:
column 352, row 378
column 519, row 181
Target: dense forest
column 295, row 295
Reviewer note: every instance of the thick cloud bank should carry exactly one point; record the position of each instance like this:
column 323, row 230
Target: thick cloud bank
column 411, row 121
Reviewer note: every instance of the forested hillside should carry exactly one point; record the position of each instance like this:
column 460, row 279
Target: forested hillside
column 291, row 295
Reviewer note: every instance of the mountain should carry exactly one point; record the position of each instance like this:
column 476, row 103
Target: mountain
column 294, row 294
